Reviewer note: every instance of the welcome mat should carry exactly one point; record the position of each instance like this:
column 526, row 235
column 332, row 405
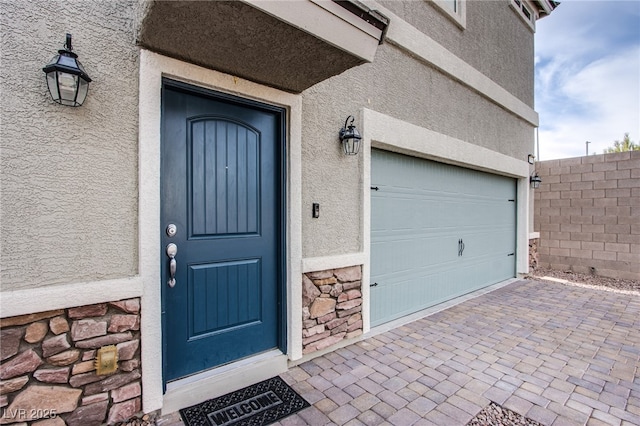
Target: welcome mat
column 256, row 405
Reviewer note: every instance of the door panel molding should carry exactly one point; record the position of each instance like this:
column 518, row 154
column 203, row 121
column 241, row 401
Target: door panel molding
column 205, row 191
column 201, row 301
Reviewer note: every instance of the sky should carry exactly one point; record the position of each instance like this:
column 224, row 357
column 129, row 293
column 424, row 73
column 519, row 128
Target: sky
column 587, row 76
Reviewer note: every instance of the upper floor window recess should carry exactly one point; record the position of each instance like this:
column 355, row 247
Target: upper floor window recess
column 455, row 10
column 526, row 11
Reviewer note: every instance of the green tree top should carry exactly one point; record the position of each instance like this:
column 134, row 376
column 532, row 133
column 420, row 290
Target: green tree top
column 622, row 146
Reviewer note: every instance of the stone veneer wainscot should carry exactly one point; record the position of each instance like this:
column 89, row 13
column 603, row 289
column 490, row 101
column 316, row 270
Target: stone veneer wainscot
column 533, row 252
column 47, row 372
column 331, row 307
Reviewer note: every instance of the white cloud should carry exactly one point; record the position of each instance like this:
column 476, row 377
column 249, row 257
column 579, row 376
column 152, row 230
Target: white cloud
column 599, row 104
column 588, row 77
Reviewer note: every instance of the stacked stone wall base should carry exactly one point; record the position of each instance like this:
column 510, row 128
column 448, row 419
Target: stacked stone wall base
column 47, row 368
column 331, row 307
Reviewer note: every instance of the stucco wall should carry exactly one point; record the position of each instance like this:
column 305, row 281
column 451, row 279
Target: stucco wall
column 69, row 175
column 69, row 197
column 400, row 86
column 492, row 27
column 587, row 210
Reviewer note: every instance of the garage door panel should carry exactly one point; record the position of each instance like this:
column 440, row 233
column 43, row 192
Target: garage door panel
column 420, row 212
column 403, row 212
column 412, row 251
column 408, row 292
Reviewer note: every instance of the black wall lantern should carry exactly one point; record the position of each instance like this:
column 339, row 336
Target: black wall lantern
column 67, row 81
column 350, row 137
column 535, row 180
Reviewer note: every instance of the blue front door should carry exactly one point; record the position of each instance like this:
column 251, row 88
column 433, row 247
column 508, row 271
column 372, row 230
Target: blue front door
column 221, row 197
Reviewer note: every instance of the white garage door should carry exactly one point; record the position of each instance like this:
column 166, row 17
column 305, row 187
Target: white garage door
column 437, row 232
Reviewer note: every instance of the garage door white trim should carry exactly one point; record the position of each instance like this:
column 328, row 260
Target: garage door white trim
column 388, row 133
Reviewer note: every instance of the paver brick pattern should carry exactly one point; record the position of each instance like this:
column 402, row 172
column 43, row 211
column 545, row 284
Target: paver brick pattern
column 557, row 354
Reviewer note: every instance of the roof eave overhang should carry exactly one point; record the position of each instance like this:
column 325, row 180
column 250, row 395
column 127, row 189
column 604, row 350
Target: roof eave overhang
column 290, row 45
column 545, row 7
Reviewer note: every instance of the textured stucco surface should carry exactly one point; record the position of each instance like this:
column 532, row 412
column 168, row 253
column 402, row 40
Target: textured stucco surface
column 493, row 28
column 69, row 175
column 69, row 198
column 246, row 42
column 404, row 88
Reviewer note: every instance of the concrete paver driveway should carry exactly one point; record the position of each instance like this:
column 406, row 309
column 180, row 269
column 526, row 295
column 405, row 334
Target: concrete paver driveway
column 557, row 354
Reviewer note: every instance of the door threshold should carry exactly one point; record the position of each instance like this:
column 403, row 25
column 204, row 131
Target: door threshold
column 219, row 381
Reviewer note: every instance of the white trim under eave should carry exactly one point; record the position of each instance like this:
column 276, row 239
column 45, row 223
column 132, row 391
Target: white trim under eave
column 153, row 67
column 409, row 38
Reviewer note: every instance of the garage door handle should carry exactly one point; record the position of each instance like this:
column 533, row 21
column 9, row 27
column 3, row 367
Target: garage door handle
column 460, row 247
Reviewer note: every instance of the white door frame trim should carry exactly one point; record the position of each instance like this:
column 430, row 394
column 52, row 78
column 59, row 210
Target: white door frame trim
column 153, row 67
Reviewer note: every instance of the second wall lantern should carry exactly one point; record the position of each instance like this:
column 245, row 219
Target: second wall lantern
column 350, row 137
column 535, row 180
column 66, row 78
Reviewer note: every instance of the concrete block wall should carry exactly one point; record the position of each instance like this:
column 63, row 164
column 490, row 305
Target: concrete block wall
column 587, row 211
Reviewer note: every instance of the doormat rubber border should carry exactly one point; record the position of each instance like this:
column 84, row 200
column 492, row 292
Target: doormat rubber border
column 260, row 404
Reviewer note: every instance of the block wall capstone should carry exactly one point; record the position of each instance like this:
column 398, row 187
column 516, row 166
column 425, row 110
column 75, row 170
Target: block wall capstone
column 47, row 366
column 331, row 307
column 587, row 211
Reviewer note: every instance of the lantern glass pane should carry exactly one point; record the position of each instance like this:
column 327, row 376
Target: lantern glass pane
column 67, row 61
column 54, row 60
column 53, row 85
column 80, row 67
column 83, row 88
column 350, row 147
column 68, row 86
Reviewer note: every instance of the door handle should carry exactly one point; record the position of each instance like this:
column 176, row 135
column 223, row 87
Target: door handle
column 172, row 250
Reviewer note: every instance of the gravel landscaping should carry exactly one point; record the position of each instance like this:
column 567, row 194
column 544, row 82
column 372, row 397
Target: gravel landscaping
column 604, row 283
column 495, row 415
column 145, row 420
